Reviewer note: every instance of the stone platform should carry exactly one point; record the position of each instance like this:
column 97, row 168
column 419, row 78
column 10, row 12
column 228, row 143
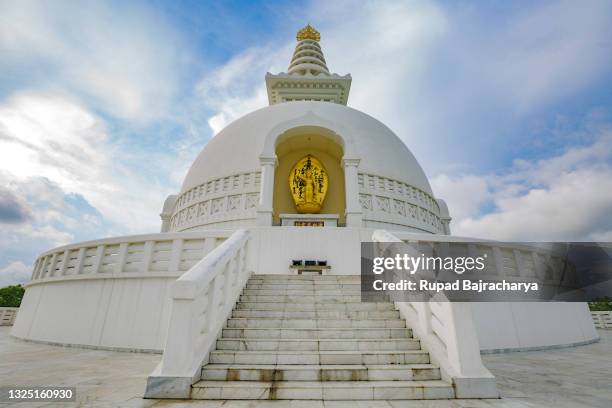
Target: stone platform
column 564, row 378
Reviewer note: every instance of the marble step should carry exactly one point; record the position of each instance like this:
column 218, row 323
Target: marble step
column 322, row 390
column 314, row 306
column 317, row 314
column 303, row 292
column 328, row 333
column 313, row 323
column 303, row 286
column 319, row 357
column 335, row 372
column 374, row 344
column 318, row 298
column 305, row 278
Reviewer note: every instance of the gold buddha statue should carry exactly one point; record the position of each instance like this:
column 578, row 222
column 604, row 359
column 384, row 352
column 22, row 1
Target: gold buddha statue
column 308, row 183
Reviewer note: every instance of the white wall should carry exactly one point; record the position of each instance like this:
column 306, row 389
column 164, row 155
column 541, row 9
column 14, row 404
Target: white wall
column 115, row 313
column 529, row 325
column 275, row 247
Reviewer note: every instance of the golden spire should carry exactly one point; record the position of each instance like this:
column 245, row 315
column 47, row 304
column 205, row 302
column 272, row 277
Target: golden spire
column 308, row 33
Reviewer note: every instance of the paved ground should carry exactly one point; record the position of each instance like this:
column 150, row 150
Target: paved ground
column 564, row 378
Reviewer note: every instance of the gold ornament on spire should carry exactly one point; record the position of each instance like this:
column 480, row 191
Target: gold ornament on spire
column 308, row 33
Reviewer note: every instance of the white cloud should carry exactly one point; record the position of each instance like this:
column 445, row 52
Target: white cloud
column 237, row 87
column 56, row 138
column 466, row 194
column 127, row 58
column 15, row 272
column 565, row 197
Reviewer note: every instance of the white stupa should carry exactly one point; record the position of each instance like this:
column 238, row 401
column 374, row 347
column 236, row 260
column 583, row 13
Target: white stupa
column 243, row 213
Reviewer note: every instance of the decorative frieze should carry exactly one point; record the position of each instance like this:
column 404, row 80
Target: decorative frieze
column 387, row 200
column 216, row 199
column 219, row 187
column 366, row 202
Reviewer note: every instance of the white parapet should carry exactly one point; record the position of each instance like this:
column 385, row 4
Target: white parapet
column 8, row 315
column 602, row 320
column 446, row 329
column 202, row 300
column 111, row 293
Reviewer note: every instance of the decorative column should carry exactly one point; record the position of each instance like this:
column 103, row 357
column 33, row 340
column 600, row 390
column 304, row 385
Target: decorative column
column 166, row 213
column 446, row 224
column 266, row 191
column 353, row 211
column 165, row 226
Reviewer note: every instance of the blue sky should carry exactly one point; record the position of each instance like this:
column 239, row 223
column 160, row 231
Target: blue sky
column 103, row 106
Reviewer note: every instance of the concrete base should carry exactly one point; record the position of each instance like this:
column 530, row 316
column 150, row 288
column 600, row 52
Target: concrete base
column 168, row 387
column 475, row 387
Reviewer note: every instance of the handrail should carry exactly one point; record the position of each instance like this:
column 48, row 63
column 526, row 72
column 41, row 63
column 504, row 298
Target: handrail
column 202, row 299
column 446, row 329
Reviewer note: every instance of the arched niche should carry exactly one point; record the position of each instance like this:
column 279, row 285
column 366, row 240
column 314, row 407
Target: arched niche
column 292, row 146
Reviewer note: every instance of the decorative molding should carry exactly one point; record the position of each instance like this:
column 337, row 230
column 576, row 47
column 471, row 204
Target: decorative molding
column 268, row 161
column 366, row 202
column 386, row 200
column 217, row 199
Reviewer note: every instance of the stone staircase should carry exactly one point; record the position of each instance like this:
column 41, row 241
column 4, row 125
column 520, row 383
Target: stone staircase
column 311, row 338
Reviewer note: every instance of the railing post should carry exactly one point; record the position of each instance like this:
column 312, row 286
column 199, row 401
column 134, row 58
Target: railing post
column 178, row 350
column 147, row 256
column 498, row 261
column 238, row 268
column 175, row 255
column 227, row 280
column 43, row 268
column 65, row 261
column 78, row 266
column 121, row 257
column 52, row 265
column 211, row 307
column 97, row 266
column 520, row 264
column 209, row 245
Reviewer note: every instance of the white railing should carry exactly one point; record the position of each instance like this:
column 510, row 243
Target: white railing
column 602, row 320
column 8, row 315
column 169, row 254
column 446, row 330
column 510, row 261
column 202, row 300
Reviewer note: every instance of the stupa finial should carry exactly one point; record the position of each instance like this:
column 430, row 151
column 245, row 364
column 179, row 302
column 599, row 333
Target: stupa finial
column 307, row 78
column 308, row 33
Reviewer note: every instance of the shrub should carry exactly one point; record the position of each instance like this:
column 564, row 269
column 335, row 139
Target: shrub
column 11, row 296
column 599, row 305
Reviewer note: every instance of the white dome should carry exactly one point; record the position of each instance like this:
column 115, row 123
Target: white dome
column 236, row 149
column 222, row 188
